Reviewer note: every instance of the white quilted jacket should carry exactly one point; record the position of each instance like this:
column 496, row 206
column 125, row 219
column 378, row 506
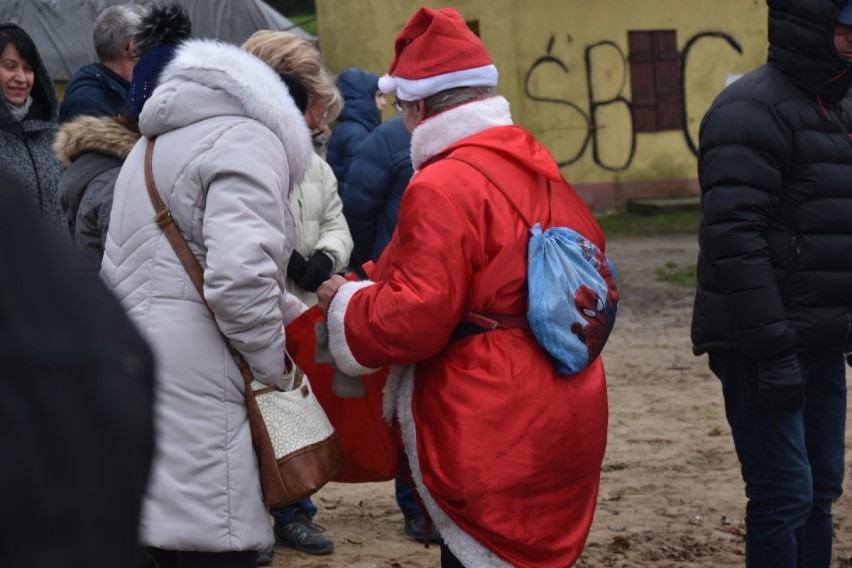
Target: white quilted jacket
column 230, row 141
column 320, row 224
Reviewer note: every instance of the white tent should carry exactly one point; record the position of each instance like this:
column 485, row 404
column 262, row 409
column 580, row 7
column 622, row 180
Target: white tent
column 62, row 29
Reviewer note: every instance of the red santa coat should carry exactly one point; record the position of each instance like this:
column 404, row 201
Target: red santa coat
column 505, row 452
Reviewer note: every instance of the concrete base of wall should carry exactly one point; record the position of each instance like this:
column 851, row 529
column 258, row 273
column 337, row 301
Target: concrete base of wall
column 610, row 196
column 666, row 204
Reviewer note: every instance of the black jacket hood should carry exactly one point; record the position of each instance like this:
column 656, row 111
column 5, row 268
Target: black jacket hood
column 801, row 45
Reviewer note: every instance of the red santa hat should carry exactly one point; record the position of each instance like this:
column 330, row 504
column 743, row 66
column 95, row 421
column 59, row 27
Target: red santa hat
column 436, row 51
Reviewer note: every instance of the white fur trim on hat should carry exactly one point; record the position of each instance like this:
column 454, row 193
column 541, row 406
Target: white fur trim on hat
column 387, row 85
column 418, row 89
column 343, row 357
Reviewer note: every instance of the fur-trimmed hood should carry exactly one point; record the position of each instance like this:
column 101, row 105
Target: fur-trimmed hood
column 243, row 85
column 105, row 135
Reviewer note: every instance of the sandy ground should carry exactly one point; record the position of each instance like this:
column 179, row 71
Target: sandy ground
column 671, row 493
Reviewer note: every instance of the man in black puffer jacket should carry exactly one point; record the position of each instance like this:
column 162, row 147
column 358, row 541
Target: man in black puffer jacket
column 773, row 307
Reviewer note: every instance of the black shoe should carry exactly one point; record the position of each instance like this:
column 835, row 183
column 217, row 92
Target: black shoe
column 264, row 557
column 303, row 535
column 414, row 528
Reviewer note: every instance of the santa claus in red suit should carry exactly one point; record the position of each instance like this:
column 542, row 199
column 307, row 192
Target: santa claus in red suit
column 505, row 453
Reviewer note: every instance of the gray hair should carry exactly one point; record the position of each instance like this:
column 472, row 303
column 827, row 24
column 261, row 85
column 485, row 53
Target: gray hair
column 454, row 97
column 114, row 28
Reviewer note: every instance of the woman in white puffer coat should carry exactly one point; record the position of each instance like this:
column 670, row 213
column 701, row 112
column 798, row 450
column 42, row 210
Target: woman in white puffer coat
column 323, row 241
column 230, row 143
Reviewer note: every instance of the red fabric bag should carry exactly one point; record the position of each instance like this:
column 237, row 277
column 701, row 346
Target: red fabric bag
column 369, row 446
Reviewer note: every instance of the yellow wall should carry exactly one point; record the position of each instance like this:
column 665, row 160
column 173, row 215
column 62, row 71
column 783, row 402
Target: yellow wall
column 541, row 48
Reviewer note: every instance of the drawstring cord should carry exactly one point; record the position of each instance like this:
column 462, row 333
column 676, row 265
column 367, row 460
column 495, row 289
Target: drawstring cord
column 832, row 80
column 822, row 107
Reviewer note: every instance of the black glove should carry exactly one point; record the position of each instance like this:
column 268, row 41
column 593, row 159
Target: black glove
column 297, row 266
column 317, row 271
column 781, row 383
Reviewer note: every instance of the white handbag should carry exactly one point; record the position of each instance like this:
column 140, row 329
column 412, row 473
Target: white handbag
column 294, row 417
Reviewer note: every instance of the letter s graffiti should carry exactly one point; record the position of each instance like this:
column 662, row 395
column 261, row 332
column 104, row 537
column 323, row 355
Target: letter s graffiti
column 550, row 60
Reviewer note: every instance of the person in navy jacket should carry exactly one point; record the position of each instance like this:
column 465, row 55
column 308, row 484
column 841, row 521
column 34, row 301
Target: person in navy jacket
column 361, row 115
column 380, row 172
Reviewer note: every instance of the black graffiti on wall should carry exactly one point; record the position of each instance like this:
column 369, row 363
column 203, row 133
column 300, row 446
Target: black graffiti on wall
column 588, row 117
column 684, row 58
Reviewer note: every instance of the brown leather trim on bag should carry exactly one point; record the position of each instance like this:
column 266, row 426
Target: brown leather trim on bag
column 311, row 463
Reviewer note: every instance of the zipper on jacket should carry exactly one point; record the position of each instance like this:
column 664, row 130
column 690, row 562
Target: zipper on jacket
column 791, row 260
column 848, row 330
column 35, row 169
column 841, row 115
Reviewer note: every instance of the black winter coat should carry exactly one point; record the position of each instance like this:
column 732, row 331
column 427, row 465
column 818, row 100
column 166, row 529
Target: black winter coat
column 775, row 168
column 76, row 404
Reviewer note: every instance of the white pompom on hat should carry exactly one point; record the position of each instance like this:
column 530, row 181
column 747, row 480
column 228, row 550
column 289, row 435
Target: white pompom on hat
column 436, row 51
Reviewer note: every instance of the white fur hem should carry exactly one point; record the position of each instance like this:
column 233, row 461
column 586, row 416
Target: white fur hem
column 390, row 393
column 343, row 357
column 467, row 549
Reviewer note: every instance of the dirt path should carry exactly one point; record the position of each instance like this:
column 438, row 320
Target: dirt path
column 671, row 494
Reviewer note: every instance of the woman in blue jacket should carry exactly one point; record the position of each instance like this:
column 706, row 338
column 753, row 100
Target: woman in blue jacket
column 361, row 114
column 378, row 176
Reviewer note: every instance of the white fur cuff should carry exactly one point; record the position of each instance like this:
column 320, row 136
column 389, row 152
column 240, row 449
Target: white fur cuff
column 343, row 357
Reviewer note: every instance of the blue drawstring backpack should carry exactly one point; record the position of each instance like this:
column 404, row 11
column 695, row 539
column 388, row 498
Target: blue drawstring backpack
column 573, row 295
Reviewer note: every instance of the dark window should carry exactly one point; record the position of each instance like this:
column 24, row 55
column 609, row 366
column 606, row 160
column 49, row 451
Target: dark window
column 656, row 81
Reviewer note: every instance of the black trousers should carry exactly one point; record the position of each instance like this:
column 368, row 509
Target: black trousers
column 159, row 558
column 448, row 559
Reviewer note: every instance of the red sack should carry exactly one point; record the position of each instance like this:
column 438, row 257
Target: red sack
column 369, row 446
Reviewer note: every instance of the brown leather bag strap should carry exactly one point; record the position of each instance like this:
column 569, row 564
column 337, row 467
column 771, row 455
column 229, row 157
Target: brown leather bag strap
column 193, row 268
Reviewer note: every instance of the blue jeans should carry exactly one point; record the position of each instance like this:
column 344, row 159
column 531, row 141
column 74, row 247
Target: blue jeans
column 792, row 464
column 285, row 515
column 405, row 498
